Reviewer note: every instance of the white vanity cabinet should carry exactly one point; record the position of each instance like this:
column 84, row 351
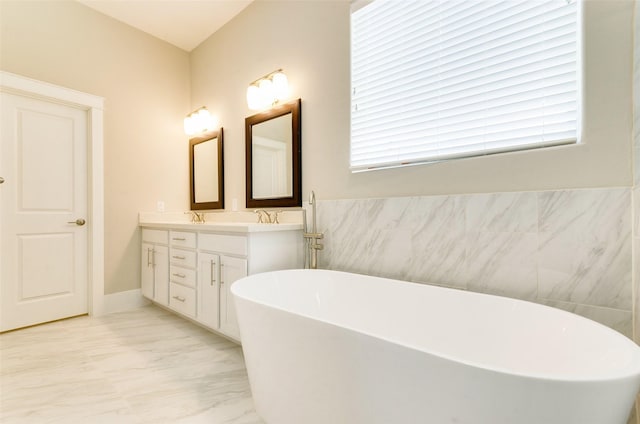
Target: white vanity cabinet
column 204, row 260
column 232, row 269
column 224, row 262
column 209, row 289
column 216, row 274
column 155, row 265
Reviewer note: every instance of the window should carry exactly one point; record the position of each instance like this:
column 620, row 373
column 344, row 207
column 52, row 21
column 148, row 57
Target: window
column 437, row 80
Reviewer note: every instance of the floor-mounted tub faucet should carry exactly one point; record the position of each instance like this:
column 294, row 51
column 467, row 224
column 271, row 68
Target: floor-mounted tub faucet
column 311, row 238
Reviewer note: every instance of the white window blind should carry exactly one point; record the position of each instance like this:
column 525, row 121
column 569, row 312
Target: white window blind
column 436, row 80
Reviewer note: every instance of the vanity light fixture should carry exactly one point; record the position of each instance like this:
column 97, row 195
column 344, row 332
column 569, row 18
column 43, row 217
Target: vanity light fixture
column 268, row 90
column 199, row 121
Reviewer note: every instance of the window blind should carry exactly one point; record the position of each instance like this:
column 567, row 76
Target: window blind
column 436, row 80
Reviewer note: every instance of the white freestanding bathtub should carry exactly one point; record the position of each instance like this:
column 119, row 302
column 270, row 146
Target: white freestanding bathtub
column 327, row 347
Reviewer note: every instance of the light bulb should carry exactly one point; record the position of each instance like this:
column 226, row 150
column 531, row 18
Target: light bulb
column 188, row 125
column 204, row 120
column 280, row 86
column 266, row 93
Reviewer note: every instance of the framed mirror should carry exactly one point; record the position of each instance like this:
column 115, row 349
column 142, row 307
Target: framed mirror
column 274, row 156
column 207, row 171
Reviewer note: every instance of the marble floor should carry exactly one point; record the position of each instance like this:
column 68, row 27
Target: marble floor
column 141, row 366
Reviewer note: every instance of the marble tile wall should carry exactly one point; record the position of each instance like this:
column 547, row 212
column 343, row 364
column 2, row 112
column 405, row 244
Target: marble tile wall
column 577, row 250
column 570, row 249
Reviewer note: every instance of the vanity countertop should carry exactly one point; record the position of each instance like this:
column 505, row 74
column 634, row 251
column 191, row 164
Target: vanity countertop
column 228, row 222
column 230, row 227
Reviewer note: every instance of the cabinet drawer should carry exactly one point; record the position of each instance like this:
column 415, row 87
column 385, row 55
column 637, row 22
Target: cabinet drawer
column 183, row 239
column 182, row 299
column 155, row 236
column 236, row 245
column 186, row 258
column 183, row 276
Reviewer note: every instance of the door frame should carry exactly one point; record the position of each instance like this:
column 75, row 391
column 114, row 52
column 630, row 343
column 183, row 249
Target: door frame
column 94, row 106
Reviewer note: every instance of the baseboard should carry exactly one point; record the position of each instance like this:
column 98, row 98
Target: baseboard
column 124, row 301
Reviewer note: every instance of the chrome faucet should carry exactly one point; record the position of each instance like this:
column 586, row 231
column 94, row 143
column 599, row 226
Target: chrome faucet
column 312, row 238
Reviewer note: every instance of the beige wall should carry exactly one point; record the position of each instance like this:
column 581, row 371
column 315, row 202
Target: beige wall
column 149, row 86
column 309, row 40
column 145, row 83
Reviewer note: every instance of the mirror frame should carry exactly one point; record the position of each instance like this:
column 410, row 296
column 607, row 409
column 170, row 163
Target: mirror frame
column 219, row 204
column 293, row 107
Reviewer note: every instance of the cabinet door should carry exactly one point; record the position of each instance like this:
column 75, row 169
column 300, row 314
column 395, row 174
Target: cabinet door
column 161, row 274
column 208, row 289
column 231, row 269
column 146, row 270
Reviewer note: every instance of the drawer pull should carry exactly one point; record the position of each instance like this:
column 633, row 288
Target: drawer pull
column 179, row 299
column 178, row 238
column 175, row 274
column 179, row 257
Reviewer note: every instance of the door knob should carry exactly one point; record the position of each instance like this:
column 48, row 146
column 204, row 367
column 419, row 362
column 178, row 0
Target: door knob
column 78, row 221
column 1, row 180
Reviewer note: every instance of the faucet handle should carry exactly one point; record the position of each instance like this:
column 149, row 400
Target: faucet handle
column 260, row 213
column 276, row 215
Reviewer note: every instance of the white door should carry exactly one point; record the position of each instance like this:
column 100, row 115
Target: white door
column 43, row 205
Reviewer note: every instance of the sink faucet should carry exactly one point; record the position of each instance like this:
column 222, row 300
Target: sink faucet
column 196, row 217
column 265, row 217
column 261, row 216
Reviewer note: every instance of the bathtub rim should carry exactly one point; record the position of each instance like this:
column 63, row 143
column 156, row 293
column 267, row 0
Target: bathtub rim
column 630, row 371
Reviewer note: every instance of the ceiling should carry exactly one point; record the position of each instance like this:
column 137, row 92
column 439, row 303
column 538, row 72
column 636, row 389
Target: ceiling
column 183, row 23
